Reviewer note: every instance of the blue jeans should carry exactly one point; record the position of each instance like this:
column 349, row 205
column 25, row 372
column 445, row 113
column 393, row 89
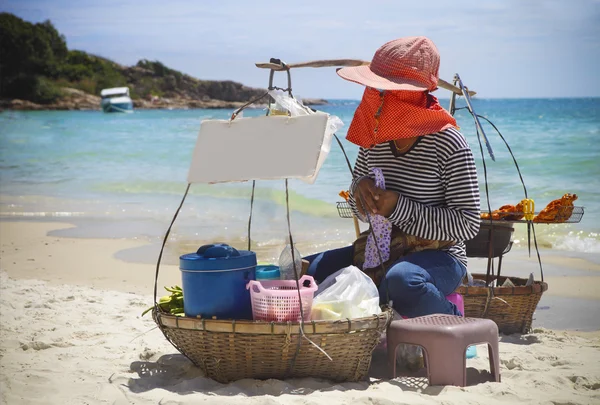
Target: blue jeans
column 417, row 283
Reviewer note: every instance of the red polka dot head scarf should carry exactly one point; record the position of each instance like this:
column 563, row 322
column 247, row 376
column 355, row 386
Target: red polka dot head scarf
column 396, row 103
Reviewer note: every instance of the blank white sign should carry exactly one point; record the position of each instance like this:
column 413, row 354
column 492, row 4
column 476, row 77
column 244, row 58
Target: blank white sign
column 268, row 147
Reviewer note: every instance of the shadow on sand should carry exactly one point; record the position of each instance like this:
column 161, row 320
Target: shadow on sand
column 175, row 373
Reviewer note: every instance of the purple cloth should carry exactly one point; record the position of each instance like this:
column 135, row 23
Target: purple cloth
column 382, row 228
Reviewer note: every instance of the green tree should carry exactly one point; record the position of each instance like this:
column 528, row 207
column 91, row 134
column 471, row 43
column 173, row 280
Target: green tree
column 29, row 51
column 35, row 64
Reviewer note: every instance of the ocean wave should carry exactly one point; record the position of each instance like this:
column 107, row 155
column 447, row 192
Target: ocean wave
column 559, row 237
column 579, row 242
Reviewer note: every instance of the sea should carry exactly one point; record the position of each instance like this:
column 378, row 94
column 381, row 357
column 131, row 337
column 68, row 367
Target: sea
column 124, row 176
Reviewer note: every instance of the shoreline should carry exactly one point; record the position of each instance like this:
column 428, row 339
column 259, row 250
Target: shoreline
column 31, row 249
column 28, row 252
column 88, row 102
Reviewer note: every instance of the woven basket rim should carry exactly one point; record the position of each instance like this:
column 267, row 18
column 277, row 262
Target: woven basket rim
column 536, row 288
column 164, row 320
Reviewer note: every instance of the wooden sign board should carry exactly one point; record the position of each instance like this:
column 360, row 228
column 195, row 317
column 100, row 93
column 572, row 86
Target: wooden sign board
column 267, row 148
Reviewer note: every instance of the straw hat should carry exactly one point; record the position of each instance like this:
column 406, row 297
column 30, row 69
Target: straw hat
column 410, row 63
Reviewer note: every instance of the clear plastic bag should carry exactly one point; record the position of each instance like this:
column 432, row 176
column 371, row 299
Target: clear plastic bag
column 296, row 109
column 473, row 282
column 288, row 266
column 347, row 293
column 408, row 357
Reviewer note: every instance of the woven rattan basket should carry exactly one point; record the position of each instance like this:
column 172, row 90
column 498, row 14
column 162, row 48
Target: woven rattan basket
column 229, row 350
column 511, row 308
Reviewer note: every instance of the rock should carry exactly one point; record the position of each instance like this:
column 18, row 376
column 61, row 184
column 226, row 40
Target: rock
column 20, row 105
column 74, row 99
column 314, row 101
column 184, row 103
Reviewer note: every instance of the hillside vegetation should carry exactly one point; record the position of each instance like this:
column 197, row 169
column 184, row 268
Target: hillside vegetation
column 36, row 66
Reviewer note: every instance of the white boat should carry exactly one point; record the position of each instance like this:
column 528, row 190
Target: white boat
column 116, row 99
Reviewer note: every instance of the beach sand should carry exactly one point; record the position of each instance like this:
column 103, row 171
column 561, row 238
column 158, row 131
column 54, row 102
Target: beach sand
column 71, row 333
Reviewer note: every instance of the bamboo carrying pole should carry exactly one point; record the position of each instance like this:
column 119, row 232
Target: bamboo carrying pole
column 345, row 62
column 356, row 226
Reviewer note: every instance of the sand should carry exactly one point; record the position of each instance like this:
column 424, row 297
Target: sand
column 71, row 333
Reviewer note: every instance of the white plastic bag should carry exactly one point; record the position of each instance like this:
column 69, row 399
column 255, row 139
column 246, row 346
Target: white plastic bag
column 296, row 108
column 347, row 293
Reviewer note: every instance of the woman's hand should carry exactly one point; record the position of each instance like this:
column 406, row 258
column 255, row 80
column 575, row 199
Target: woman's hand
column 387, row 201
column 376, row 200
column 366, row 196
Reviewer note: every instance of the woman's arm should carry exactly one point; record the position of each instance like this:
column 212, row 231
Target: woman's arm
column 459, row 219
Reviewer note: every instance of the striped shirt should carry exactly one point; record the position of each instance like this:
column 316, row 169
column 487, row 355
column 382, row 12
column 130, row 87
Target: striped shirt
column 437, row 182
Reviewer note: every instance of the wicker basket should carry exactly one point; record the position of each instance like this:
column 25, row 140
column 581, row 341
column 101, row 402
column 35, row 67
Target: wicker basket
column 511, row 308
column 229, row 350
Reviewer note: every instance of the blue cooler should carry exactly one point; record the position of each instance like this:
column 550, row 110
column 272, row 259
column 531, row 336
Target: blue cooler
column 214, row 282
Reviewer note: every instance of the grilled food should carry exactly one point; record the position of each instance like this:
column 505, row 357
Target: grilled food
column 557, row 211
column 506, row 212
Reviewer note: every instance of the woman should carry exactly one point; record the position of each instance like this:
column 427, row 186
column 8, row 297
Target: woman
column 431, row 194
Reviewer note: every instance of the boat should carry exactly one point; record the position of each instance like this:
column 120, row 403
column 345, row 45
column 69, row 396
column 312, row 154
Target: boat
column 116, row 99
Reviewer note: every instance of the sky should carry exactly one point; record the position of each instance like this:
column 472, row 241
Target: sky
column 500, row 48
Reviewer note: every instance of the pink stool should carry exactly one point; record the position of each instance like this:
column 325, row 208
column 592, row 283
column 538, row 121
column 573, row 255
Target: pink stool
column 444, row 339
column 454, row 298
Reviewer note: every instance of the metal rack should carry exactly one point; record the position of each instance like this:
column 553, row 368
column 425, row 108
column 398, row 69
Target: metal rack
column 502, row 228
column 565, row 215
column 344, row 209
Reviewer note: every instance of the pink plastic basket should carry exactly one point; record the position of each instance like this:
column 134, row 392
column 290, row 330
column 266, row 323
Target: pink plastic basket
column 277, row 300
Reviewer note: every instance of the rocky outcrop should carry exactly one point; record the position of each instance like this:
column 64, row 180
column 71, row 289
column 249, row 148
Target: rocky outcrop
column 20, row 105
column 181, row 103
column 72, row 99
column 173, row 85
column 155, row 86
column 40, row 72
column 314, row 101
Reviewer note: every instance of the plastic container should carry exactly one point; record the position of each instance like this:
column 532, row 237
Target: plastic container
column 277, row 300
column 457, row 300
column 267, row 272
column 214, row 282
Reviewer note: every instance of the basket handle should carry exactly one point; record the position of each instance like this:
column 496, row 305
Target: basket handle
column 306, row 277
column 162, row 248
column 254, row 283
column 313, row 284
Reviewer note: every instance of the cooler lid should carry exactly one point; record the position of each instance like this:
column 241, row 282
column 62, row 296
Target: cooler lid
column 267, row 272
column 218, row 257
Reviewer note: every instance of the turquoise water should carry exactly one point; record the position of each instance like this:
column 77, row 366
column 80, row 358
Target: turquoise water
column 124, row 175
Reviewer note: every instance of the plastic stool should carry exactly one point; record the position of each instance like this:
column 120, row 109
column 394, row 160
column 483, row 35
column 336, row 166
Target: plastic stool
column 444, row 339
